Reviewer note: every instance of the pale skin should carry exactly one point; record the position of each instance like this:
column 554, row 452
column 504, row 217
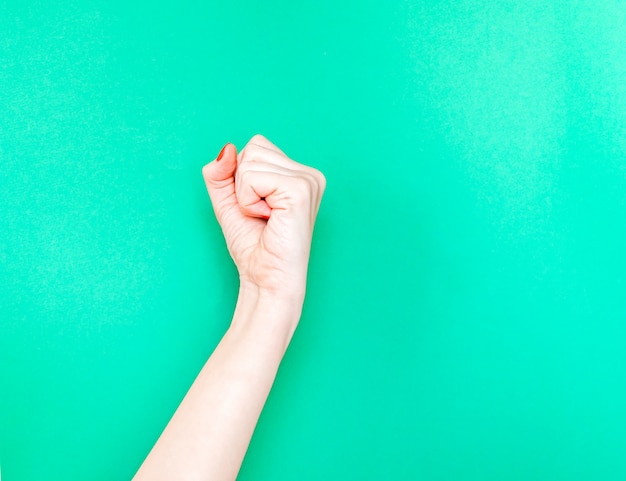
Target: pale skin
column 266, row 205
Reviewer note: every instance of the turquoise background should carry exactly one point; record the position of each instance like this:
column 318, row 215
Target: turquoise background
column 466, row 310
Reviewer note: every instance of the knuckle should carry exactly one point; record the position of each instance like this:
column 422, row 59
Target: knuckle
column 301, row 190
column 244, row 174
column 257, row 139
column 321, row 180
column 318, row 178
column 249, row 152
column 243, row 153
column 302, row 184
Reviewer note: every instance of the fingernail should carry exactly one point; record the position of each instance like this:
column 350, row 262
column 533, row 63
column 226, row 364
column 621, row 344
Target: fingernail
column 265, row 217
column 221, row 154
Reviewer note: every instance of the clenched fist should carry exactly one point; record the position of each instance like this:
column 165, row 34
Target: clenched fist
column 266, row 204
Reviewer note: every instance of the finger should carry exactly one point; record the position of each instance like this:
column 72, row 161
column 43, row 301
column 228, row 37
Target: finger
column 259, row 193
column 254, row 152
column 313, row 176
column 219, row 177
column 262, row 141
column 260, row 166
column 250, row 199
column 253, row 205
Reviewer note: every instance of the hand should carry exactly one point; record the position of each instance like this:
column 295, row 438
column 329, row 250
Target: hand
column 266, row 204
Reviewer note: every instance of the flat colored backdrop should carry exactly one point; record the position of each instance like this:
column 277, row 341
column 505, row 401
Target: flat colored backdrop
column 466, row 311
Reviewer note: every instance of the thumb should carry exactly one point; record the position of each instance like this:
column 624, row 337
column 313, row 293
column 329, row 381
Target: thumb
column 219, row 177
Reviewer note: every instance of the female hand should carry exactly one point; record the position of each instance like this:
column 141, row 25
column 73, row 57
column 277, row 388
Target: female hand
column 266, row 204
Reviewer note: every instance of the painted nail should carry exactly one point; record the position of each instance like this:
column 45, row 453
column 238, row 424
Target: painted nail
column 221, row 154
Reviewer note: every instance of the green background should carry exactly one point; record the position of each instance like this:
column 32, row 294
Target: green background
column 466, row 309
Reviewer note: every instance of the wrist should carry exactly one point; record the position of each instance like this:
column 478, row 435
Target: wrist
column 289, row 298
column 267, row 313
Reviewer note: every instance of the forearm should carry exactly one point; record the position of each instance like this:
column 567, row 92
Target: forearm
column 208, row 435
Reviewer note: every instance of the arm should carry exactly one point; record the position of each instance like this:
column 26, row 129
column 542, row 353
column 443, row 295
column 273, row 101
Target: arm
column 209, row 434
